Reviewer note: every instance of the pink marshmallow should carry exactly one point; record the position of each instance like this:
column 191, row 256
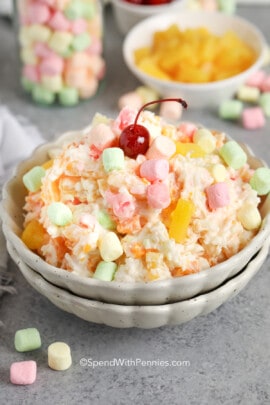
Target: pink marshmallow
column 155, row 169
column 171, row 111
column 217, row 195
column 48, row 2
column 131, row 99
column 42, row 50
column 101, row 136
column 52, row 66
column 31, row 72
column 161, row 147
column 265, row 86
column 187, row 129
column 78, row 26
column 122, row 204
column 59, row 22
column 38, row 13
column 256, row 79
column 95, row 48
column 253, row 118
column 158, row 195
column 125, row 117
column 23, row 372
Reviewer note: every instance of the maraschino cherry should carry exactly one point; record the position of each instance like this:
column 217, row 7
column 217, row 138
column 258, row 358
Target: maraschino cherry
column 134, row 139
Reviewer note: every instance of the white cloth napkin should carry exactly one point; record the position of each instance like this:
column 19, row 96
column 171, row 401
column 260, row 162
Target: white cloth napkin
column 18, row 138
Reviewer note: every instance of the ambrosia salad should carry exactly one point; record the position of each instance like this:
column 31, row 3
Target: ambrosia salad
column 186, row 203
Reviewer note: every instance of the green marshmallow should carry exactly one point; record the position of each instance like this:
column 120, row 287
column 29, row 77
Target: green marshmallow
column 68, row 96
column 33, row 178
column 105, row 271
column 113, row 159
column 227, row 6
column 74, row 10
column 42, row 95
column 27, row 85
column 88, row 10
column 81, row 42
column 264, row 102
column 233, row 154
column 230, row 109
column 27, row 339
column 105, row 220
column 260, row 181
column 59, row 214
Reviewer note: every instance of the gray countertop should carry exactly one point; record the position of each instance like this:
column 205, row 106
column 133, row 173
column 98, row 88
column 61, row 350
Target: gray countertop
column 228, row 350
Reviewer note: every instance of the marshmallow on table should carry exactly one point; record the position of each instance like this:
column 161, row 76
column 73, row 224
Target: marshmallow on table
column 27, row 339
column 253, row 118
column 265, row 86
column 23, row 372
column 131, row 99
column 248, row 94
column 171, row 111
column 264, row 102
column 256, row 79
column 59, row 356
column 230, row 109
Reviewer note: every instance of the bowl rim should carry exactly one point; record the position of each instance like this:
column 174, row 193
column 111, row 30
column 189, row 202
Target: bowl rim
column 10, row 234
column 167, row 18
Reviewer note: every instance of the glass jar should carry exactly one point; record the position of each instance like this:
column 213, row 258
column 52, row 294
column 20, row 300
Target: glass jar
column 61, row 49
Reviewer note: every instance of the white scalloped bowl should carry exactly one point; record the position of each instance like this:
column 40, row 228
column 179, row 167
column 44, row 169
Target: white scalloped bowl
column 143, row 316
column 198, row 94
column 139, row 293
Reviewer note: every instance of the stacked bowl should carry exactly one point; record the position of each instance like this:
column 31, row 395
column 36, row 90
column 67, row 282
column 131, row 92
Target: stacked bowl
column 123, row 305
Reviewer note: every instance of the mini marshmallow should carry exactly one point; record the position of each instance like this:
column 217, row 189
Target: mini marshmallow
column 248, row 94
column 51, row 66
column 219, row 172
column 233, row 154
column 33, row 178
column 26, row 340
column 264, row 102
column 105, row 271
column 42, row 50
column 147, row 95
column 59, row 356
column 188, row 129
column 265, row 86
column 158, row 195
column 78, row 26
column 113, row 159
column 171, row 111
column 59, row 214
column 88, row 10
column 249, row 216
column 131, row 99
column 102, row 137
column 205, row 139
column 60, row 41
column 256, row 79
column 42, row 95
column 217, row 195
column 39, row 33
column 155, row 169
column 28, row 56
column 122, row 204
column 76, row 77
column 253, row 118
column 110, row 247
column 89, row 88
column 209, row 5
column 227, row 6
column 260, row 181
column 161, row 147
column 81, row 42
column 59, row 22
column 230, row 109
column 74, row 10
column 105, row 220
column 25, row 38
column 68, row 96
column 79, row 60
column 52, row 83
column 31, row 72
column 23, row 372
column 27, row 84
column 38, row 13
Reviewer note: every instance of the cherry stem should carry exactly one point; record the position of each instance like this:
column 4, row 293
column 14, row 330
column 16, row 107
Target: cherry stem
column 178, row 100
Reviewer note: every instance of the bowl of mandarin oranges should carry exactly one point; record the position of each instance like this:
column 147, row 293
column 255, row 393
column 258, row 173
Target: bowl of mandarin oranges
column 136, row 222
column 201, row 56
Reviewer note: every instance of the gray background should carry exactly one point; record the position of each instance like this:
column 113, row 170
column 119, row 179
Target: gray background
column 228, row 350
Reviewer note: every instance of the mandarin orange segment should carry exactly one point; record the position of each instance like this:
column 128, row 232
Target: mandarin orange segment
column 180, row 220
column 34, row 235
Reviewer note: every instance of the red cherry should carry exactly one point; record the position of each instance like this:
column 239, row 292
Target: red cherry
column 134, row 139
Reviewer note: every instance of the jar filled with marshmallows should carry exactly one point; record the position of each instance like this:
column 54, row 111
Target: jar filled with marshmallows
column 61, row 49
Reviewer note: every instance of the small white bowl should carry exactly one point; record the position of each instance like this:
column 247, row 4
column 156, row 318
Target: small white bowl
column 152, row 293
column 124, row 316
column 196, row 95
column 127, row 14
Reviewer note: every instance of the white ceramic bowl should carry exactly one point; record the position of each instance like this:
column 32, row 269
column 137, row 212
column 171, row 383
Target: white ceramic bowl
column 152, row 293
column 127, row 14
column 124, row 316
column 196, row 95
